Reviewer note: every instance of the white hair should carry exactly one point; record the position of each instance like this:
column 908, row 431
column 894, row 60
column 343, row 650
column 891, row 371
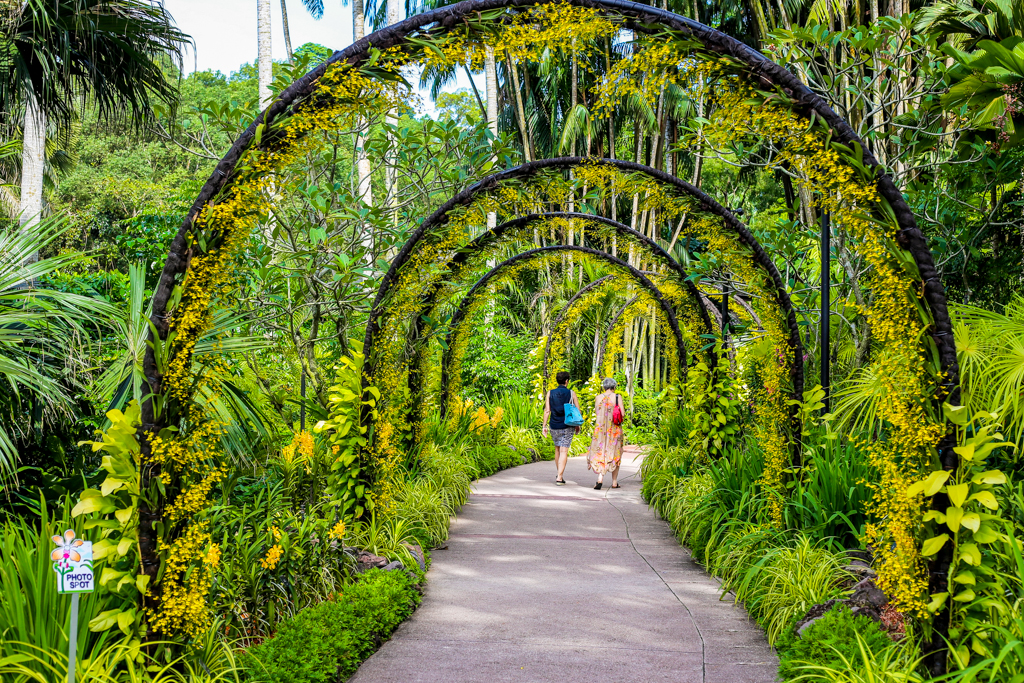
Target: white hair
column 609, row 383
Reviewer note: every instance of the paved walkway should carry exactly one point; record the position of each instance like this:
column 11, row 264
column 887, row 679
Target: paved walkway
column 553, row 583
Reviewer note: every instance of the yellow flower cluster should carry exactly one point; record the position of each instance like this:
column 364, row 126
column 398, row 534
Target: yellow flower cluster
column 272, row 558
column 212, row 557
column 338, row 530
column 181, row 606
column 193, row 499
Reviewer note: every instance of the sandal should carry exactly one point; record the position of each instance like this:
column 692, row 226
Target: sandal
column 597, row 486
column 559, row 482
column 616, row 486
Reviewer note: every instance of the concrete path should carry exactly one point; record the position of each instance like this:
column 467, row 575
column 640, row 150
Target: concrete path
column 545, row 583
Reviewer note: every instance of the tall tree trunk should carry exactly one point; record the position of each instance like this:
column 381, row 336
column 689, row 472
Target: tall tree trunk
column 364, row 190
column 394, row 15
column 265, row 59
column 521, row 118
column 491, row 82
column 33, row 164
column 287, row 32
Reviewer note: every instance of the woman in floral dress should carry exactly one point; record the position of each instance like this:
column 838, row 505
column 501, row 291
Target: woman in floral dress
column 606, row 445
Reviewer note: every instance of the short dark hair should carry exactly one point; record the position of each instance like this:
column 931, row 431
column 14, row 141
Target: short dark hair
column 562, row 377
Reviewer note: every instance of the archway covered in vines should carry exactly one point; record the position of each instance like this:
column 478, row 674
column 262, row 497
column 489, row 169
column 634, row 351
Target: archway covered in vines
column 760, row 99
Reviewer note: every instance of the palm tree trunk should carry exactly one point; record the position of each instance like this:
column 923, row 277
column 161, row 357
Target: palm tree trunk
column 265, row 60
column 33, row 163
column 287, row 33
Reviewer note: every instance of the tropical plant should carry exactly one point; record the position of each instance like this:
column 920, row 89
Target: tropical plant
column 38, row 328
column 990, row 348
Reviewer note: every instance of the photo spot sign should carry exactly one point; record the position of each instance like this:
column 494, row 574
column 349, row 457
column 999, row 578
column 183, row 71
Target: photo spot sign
column 72, row 562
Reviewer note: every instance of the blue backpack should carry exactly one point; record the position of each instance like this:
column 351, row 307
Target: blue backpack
column 573, row 417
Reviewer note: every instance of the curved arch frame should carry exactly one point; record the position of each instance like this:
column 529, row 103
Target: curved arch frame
column 639, row 277
column 457, row 262
column 707, row 203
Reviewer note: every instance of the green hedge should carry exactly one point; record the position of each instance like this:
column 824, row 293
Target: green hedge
column 828, row 641
column 328, row 642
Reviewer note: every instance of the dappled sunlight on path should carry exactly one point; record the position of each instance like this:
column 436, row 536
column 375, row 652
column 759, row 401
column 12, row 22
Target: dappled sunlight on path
column 564, row 583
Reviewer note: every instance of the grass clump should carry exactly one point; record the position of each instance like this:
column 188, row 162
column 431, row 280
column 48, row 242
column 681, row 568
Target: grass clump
column 832, row 642
column 328, row 642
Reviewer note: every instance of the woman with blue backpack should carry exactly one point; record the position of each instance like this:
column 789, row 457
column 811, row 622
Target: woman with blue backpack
column 562, row 417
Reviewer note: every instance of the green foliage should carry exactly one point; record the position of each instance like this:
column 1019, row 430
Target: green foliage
column 329, row 641
column 348, row 481
column 830, row 641
column 716, row 409
column 491, row 459
column 890, row 665
column 495, row 363
column 113, row 510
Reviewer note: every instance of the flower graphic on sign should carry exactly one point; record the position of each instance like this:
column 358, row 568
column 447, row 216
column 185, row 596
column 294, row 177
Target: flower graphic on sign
column 66, row 551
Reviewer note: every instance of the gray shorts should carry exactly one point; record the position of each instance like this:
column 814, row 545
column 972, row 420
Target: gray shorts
column 563, row 437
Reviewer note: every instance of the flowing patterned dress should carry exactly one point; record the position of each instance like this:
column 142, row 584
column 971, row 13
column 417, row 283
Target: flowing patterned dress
column 606, row 445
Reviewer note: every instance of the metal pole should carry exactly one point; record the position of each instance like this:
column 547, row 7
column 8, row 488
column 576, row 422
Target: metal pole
column 826, row 284
column 302, row 406
column 73, row 638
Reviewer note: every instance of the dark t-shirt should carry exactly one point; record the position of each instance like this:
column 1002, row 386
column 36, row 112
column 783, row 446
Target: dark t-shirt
column 558, row 398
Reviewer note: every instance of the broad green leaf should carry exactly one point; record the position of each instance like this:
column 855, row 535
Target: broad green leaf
column 938, row 600
column 964, row 595
column 104, row 620
column 971, row 520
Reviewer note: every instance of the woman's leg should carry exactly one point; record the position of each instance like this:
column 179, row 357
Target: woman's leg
column 615, row 474
column 561, row 457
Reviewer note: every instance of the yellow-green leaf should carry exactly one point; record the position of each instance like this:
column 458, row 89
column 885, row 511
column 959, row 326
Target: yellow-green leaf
column 985, row 534
column 125, row 620
column 142, row 582
column 970, row 554
column 124, row 515
column 958, row 493
column 104, row 620
column 987, row 499
column 953, row 517
column 971, row 520
column 990, row 477
column 933, row 545
column 964, row 595
column 938, row 600
column 124, row 546
column 965, row 577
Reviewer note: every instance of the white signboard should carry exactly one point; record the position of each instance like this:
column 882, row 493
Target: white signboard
column 72, row 562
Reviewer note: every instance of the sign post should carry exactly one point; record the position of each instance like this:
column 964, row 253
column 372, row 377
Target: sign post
column 72, row 562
